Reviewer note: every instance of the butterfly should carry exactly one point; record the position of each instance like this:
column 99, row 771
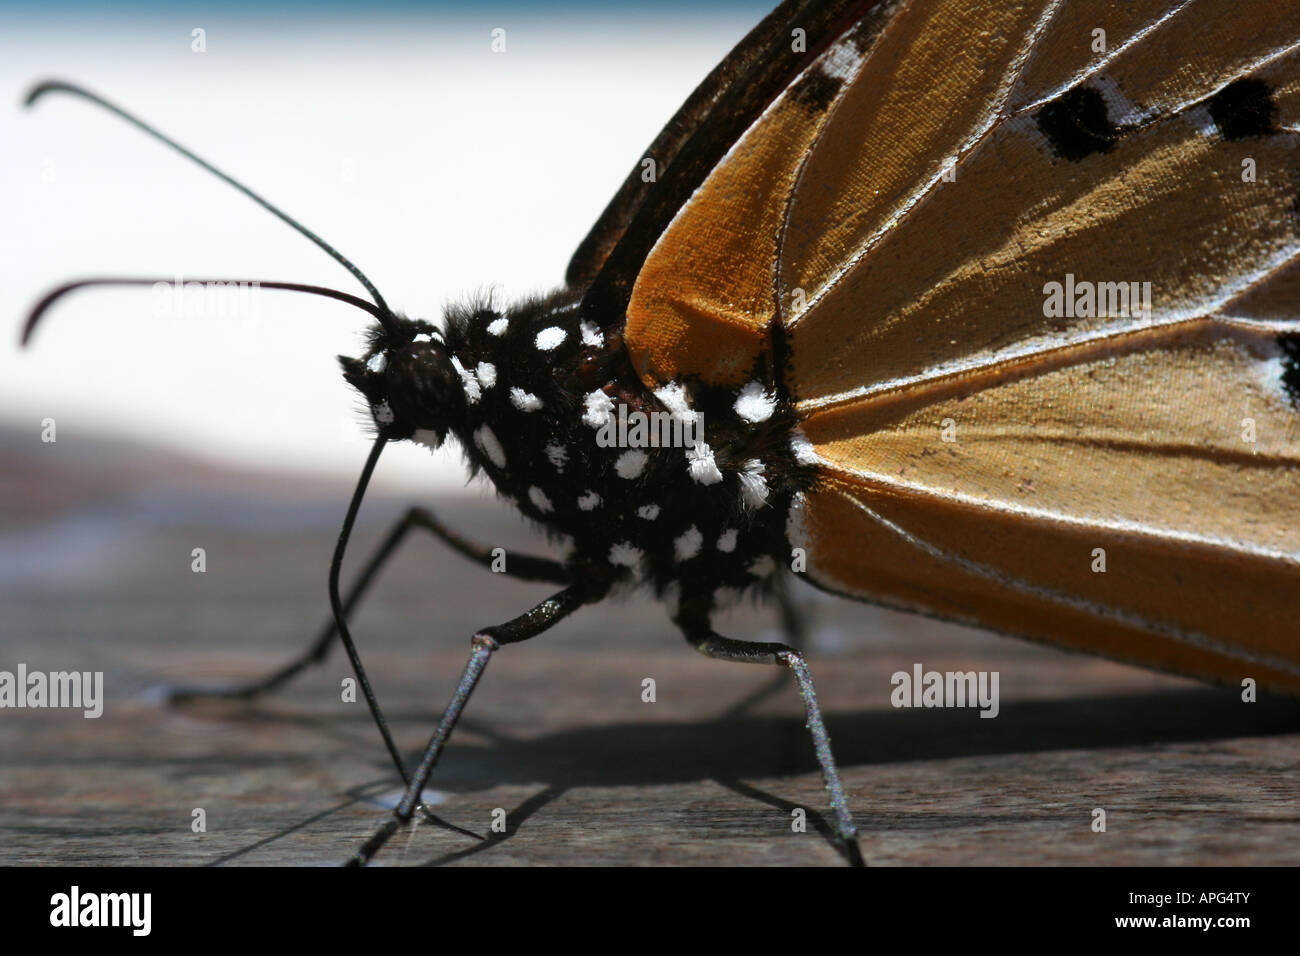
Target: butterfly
column 983, row 310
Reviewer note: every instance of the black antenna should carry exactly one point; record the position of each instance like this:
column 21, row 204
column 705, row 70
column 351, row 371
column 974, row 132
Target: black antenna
column 59, row 86
column 43, row 306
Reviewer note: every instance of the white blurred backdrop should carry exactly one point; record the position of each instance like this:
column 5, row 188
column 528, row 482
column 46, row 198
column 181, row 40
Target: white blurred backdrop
column 437, row 165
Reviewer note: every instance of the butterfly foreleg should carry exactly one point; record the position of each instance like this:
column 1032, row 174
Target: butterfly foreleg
column 696, row 629
column 488, row 640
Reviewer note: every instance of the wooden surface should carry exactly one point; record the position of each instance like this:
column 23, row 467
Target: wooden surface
column 95, row 575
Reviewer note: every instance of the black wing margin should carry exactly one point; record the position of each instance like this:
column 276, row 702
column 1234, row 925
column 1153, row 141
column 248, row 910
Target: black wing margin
column 713, row 117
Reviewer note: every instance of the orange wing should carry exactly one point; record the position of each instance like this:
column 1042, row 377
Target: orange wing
column 1119, row 480
column 986, row 446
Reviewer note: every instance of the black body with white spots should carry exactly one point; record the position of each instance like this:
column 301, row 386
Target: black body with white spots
column 525, row 392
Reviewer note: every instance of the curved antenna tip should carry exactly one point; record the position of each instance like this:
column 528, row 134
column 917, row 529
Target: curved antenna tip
column 47, row 86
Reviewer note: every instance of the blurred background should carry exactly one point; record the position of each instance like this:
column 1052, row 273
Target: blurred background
column 392, row 129
column 442, row 169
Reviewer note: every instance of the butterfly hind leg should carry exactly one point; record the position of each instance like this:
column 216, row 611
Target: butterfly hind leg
column 525, row 567
column 794, row 627
column 693, row 619
column 484, row 643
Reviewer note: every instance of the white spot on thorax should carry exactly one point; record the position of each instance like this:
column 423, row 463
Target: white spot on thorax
column 755, row 404
column 599, row 408
column 487, row 442
column 727, row 541
column 687, row 545
column 725, row 597
column 699, row 462
column 550, row 337
column 557, row 455
column 486, row 373
column 648, row 512
column 539, row 499
column 626, row 555
column 589, row 502
column 796, row 530
column 590, row 334
column 429, row 439
column 753, row 487
column 378, row 362
column 526, row 402
column 631, row 463
column 763, row 566
column 676, row 401
column 468, row 381
column 498, row 327
column 383, row 413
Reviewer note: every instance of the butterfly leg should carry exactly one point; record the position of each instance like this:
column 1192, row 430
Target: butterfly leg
column 529, row 624
column 793, row 621
column 704, row 639
column 524, row 567
column 795, row 627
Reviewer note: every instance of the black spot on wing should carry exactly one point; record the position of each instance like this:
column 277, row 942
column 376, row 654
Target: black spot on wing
column 1244, row 108
column 1290, row 345
column 1076, row 124
column 815, row 90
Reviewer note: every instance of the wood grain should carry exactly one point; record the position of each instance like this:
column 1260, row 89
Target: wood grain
column 95, row 575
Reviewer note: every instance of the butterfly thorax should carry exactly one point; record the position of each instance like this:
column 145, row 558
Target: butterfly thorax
column 685, row 484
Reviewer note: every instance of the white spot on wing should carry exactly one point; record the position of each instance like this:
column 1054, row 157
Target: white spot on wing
column 539, row 499
column 804, row 453
column 486, row 373
column 557, row 455
column 841, row 60
column 727, row 541
column 589, row 502
column 762, row 567
column 648, row 512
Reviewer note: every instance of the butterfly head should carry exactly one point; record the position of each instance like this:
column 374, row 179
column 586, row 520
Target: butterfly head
column 408, row 380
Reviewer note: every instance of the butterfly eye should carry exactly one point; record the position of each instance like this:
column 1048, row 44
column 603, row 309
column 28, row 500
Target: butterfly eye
column 421, row 385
